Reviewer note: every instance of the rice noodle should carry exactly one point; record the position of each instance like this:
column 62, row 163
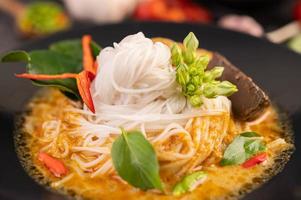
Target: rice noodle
column 60, row 183
column 135, row 88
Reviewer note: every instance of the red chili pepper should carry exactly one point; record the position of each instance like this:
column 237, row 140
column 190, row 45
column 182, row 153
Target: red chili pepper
column 297, row 10
column 95, row 66
column 255, row 160
column 55, row 166
column 88, row 60
column 45, row 76
column 83, row 81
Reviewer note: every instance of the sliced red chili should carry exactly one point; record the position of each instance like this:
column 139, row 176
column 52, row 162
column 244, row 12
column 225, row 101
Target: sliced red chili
column 54, row 165
column 83, row 79
column 88, row 60
column 46, row 76
column 255, row 160
column 83, row 84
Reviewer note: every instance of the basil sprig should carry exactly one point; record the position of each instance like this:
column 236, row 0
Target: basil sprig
column 135, row 160
column 192, row 75
column 61, row 57
column 189, row 183
column 243, row 147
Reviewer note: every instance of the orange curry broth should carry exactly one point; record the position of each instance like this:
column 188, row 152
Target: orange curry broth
column 221, row 181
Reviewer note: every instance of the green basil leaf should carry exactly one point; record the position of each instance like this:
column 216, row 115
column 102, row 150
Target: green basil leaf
column 135, row 160
column 242, row 148
column 63, row 57
column 235, row 152
column 253, row 147
column 189, row 183
column 15, row 56
column 73, row 48
column 250, row 134
column 95, row 49
column 51, row 62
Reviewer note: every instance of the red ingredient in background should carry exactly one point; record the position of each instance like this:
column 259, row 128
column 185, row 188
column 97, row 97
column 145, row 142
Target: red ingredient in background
column 172, row 10
column 297, row 11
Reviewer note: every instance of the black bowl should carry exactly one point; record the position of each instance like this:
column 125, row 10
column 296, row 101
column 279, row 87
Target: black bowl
column 276, row 69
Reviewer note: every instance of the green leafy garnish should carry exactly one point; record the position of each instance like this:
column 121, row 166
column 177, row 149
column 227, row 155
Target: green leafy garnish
column 73, row 48
column 189, row 183
column 16, row 56
column 192, row 75
column 135, row 160
column 242, row 148
column 61, row 57
column 40, row 18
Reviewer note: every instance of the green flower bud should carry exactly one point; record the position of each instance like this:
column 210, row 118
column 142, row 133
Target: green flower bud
column 182, row 74
column 212, row 74
column 196, row 80
column 190, row 88
column 189, row 56
column 207, row 77
column 176, row 55
column 192, row 76
column 209, row 90
column 216, row 72
column 202, row 62
column 198, row 92
column 195, row 101
column 191, row 43
column 193, row 70
column 225, row 88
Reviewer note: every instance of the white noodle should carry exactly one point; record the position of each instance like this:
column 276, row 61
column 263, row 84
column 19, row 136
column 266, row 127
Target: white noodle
column 85, row 165
column 99, row 150
column 103, row 169
column 135, row 88
column 62, row 181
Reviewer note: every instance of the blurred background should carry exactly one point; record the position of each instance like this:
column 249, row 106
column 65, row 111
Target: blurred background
column 25, row 20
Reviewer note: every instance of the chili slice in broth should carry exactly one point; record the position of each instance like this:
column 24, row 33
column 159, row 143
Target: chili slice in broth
column 255, row 160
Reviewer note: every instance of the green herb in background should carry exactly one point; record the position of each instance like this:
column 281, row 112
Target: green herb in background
column 135, row 160
column 192, row 75
column 189, row 183
column 41, row 18
column 243, row 147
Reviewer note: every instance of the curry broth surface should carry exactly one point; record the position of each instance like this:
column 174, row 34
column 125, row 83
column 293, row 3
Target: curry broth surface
column 221, row 182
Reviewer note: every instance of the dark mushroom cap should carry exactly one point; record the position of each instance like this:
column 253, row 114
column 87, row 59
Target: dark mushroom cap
column 250, row 101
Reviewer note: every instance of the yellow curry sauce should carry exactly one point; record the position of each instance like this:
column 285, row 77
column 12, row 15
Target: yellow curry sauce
column 222, row 182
